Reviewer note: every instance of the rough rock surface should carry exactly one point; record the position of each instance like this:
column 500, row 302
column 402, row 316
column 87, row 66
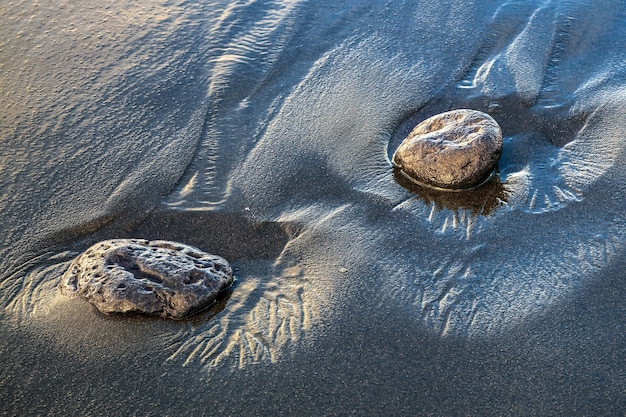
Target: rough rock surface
column 160, row 278
column 455, row 150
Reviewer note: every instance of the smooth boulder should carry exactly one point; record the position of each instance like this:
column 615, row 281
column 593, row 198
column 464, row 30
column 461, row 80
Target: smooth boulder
column 455, row 150
column 161, row 278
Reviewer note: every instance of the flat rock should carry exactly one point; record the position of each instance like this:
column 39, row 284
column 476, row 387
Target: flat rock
column 159, row 277
column 455, row 150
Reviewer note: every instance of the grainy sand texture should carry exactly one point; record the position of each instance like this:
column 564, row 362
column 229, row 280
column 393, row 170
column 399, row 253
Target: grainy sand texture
column 263, row 132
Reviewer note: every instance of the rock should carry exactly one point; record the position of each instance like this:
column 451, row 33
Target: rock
column 455, row 150
column 159, row 277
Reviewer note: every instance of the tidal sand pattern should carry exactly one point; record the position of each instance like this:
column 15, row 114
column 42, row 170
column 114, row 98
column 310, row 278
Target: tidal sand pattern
column 263, row 133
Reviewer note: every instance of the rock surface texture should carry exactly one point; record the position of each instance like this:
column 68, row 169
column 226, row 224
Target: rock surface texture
column 455, row 150
column 160, row 278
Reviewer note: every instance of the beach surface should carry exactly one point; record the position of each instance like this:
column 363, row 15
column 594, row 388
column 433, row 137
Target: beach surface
column 263, row 132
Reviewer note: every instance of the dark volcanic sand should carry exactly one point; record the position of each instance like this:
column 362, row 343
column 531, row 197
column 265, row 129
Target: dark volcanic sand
column 263, row 133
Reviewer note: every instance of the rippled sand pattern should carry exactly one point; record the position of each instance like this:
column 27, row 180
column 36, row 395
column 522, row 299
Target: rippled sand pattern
column 262, row 132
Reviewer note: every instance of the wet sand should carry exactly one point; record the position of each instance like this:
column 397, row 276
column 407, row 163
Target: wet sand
column 263, row 133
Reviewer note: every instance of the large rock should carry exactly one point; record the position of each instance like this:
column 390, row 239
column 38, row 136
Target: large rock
column 455, row 150
column 160, row 278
